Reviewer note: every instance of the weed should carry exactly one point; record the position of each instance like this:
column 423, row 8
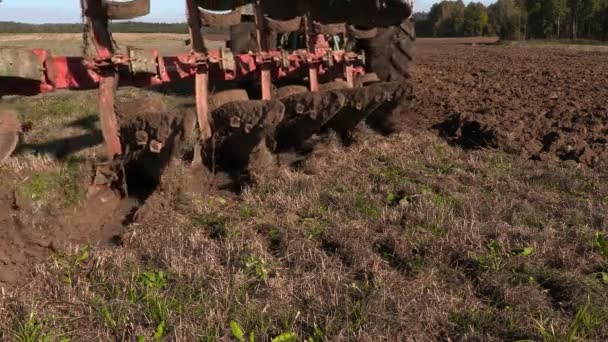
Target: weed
column 30, row 331
column 441, row 169
column 156, row 308
column 500, row 164
column 317, row 335
column 256, row 266
column 285, row 337
column 602, row 245
column 57, row 188
column 248, row 212
column 153, row 280
column 586, row 322
column 493, row 259
column 215, row 224
column 315, row 231
column 388, row 175
column 433, row 229
column 472, row 321
column 357, row 315
column 366, row 208
column 238, row 333
column 211, row 335
column 110, row 322
column 70, row 266
column 394, row 198
column 526, row 251
column 160, row 331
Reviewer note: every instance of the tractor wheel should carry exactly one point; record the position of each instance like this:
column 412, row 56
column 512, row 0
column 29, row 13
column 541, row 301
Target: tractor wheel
column 390, row 53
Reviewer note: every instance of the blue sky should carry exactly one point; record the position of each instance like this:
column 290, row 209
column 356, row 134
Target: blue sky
column 61, row 11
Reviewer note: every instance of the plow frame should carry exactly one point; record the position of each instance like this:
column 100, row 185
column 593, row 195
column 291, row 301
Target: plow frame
column 109, row 68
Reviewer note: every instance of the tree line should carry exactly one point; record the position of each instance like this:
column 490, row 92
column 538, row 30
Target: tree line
column 517, row 19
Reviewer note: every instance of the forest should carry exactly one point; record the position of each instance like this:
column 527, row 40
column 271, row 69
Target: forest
column 517, row 19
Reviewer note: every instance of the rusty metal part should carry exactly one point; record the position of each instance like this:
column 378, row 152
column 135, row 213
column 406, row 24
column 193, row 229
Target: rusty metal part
column 109, row 123
column 15, row 62
column 142, row 61
column 195, row 27
column 9, row 133
column 124, row 10
column 97, row 25
column 260, row 23
column 227, row 60
column 223, row 5
column 331, row 29
column 220, row 19
column 202, row 72
column 266, row 83
column 202, row 101
column 283, row 26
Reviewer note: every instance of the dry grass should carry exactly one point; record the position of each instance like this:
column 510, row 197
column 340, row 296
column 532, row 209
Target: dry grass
column 404, row 238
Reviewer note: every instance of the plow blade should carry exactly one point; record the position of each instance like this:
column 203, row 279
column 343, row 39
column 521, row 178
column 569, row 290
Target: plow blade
column 9, row 134
column 247, row 132
column 240, row 131
column 305, row 115
column 364, row 102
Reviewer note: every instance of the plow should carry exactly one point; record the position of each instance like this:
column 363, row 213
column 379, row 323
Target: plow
column 288, row 70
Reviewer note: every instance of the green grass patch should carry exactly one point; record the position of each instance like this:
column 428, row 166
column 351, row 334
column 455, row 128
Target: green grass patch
column 56, row 188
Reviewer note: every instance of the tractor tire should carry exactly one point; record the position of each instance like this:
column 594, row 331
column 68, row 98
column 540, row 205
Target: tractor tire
column 390, row 54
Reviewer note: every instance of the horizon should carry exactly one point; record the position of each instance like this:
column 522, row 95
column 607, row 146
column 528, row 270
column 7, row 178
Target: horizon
column 68, row 11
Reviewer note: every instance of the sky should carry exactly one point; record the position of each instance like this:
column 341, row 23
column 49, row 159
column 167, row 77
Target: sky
column 66, row 11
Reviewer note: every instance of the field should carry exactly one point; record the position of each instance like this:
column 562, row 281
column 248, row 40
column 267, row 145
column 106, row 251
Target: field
column 483, row 219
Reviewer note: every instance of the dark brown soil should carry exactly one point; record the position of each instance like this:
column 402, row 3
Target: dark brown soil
column 540, row 102
column 29, row 237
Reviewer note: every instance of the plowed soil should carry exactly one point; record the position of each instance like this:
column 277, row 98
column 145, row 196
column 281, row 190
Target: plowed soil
column 542, row 102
